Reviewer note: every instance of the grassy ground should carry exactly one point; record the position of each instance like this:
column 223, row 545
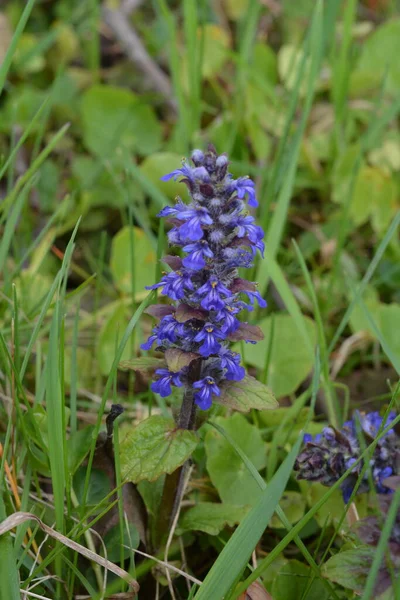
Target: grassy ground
column 303, row 96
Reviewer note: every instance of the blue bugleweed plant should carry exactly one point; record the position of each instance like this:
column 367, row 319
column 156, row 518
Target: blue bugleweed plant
column 217, row 236
column 327, row 456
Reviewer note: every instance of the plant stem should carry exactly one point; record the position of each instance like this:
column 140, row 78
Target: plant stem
column 174, row 482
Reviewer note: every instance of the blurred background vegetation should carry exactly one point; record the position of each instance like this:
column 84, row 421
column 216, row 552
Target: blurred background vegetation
column 102, row 99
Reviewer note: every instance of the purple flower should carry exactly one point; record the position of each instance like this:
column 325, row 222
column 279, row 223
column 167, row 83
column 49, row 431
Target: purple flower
column 147, row 345
column 246, row 228
column 163, row 384
column 231, row 362
column 197, row 252
column 327, row 456
column 174, row 284
column 185, row 171
column 243, row 186
column 169, row 329
column 252, row 296
column 210, row 294
column 209, row 336
column 217, row 237
column 207, row 387
column 227, row 315
column 195, row 218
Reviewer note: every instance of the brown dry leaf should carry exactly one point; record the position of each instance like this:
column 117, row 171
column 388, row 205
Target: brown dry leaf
column 20, row 517
column 255, row 592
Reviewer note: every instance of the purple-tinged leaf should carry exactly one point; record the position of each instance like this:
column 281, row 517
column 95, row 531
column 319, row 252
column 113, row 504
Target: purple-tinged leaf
column 159, row 310
column 242, row 285
column 177, row 359
column 142, row 364
column 175, row 262
column 184, row 312
column 248, row 333
column 246, row 394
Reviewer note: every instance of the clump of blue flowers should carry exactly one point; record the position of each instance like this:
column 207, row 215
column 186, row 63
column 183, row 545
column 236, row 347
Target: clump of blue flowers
column 327, row 456
column 217, row 236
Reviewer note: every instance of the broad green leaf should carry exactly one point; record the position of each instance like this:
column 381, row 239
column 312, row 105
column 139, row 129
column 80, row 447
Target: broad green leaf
column 291, row 360
column 159, row 164
column 379, row 60
column 78, row 445
column 216, row 49
column 31, row 290
column 113, row 116
column 293, row 579
column 154, row 447
column 387, row 320
column 246, row 394
column 264, row 63
column 142, row 364
column 236, row 9
column 112, row 541
column 350, row 568
column 86, row 367
column 375, row 193
column 178, row 359
column 332, row 510
column 293, row 505
column 98, row 184
column 228, row 474
column 389, row 325
column 358, row 320
column 99, row 485
column 211, row 517
column 290, row 431
column 110, row 336
column 144, row 260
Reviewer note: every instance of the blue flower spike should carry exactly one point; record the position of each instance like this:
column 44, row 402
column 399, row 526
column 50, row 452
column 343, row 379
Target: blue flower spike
column 217, row 237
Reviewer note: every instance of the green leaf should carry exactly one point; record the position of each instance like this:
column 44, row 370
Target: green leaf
column 331, row 510
column 99, row 485
column 293, row 505
column 228, row 474
column 113, row 116
column 211, row 517
column 159, row 164
column 142, row 364
column 215, row 50
column 387, row 319
column 78, row 445
column 110, row 335
column 379, row 60
column 293, row 579
column 246, row 394
column 154, row 447
column 112, row 541
column 144, row 260
column 291, row 360
column 177, row 359
column 350, row 568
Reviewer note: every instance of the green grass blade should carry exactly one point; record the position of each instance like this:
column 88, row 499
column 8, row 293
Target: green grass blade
column 370, row 271
column 131, row 325
column 235, row 555
column 23, row 180
column 11, row 223
column 331, row 401
column 9, row 578
column 6, row 64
